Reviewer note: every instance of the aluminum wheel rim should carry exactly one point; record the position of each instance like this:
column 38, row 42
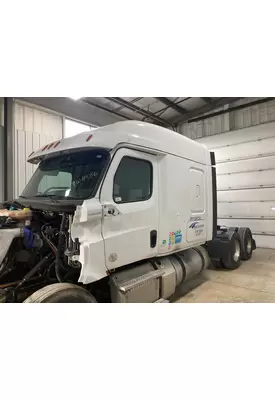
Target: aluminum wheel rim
column 249, row 244
column 237, row 252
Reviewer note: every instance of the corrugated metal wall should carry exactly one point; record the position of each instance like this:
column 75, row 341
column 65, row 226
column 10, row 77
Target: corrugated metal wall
column 1, row 163
column 244, row 118
column 1, row 149
column 245, row 155
column 33, row 128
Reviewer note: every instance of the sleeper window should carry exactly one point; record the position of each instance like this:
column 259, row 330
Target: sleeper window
column 133, row 180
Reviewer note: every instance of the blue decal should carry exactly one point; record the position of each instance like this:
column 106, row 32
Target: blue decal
column 178, row 238
column 196, row 225
column 174, row 238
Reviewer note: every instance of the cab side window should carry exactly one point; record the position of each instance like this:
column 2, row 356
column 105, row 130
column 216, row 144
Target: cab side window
column 133, row 180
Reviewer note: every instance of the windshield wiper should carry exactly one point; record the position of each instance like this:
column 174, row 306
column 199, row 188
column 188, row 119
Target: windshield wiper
column 48, row 196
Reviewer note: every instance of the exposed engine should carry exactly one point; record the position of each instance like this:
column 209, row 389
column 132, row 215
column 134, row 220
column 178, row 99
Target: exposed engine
column 36, row 250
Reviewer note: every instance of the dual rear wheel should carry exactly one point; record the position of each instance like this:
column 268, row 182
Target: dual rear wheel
column 240, row 249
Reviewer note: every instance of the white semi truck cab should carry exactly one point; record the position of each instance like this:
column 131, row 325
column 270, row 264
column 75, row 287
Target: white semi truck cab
column 124, row 213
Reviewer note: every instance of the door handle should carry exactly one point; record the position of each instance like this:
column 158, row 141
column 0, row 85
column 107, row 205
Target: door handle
column 110, row 210
column 153, row 238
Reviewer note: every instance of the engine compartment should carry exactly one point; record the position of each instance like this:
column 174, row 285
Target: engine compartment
column 36, row 250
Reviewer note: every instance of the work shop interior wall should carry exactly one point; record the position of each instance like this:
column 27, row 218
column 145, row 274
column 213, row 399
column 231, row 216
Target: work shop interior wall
column 1, row 149
column 33, row 128
column 245, row 160
column 242, row 118
column 1, row 163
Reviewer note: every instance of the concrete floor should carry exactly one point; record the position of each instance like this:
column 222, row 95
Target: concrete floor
column 252, row 282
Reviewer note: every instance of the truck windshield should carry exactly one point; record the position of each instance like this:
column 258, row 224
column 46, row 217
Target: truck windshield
column 71, row 176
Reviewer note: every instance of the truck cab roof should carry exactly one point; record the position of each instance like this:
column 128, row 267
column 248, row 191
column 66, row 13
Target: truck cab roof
column 136, row 133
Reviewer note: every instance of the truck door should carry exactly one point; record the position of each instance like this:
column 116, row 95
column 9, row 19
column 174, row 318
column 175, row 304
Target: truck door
column 129, row 196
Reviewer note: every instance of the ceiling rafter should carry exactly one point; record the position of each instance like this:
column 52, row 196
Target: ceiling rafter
column 136, row 99
column 215, row 107
column 139, row 110
column 207, row 100
column 162, row 110
column 172, row 105
column 92, row 103
column 223, row 101
column 231, row 109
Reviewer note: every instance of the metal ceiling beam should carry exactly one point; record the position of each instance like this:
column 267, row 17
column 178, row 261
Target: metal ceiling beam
column 229, row 110
column 92, row 103
column 132, row 101
column 161, row 111
column 207, row 100
column 172, row 105
column 139, row 110
column 207, row 108
column 76, row 110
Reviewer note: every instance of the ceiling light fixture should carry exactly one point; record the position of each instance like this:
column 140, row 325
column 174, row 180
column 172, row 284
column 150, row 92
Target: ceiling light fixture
column 75, row 98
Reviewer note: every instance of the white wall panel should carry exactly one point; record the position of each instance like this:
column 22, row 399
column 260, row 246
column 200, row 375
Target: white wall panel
column 33, row 128
column 241, row 136
column 265, row 241
column 1, row 163
column 240, row 119
column 244, row 145
column 246, row 195
column 256, row 225
column 1, row 149
column 207, row 127
column 248, row 165
column 246, row 150
column 248, row 209
column 246, row 179
column 259, row 114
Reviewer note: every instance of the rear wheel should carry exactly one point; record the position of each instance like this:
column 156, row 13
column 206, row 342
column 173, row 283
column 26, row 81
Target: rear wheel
column 246, row 243
column 61, row 293
column 233, row 259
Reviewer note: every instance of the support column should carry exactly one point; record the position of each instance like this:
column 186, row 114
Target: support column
column 8, row 148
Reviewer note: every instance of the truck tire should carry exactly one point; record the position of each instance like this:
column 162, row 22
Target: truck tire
column 233, row 259
column 246, row 243
column 61, row 293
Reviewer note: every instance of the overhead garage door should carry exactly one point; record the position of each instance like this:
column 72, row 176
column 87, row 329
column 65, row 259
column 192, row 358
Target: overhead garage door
column 246, row 179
